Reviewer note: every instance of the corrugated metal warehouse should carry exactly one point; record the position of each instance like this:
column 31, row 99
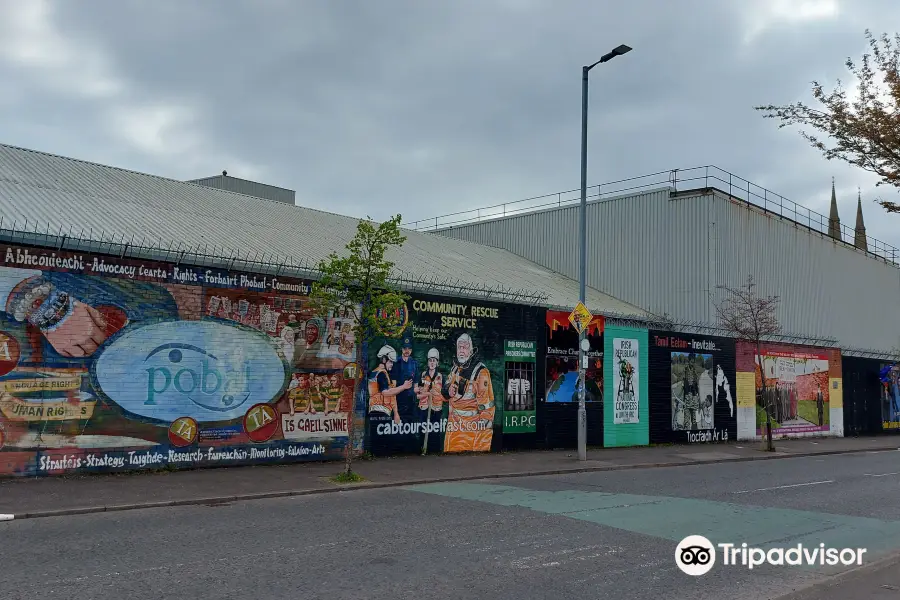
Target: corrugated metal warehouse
column 671, row 238
column 63, row 202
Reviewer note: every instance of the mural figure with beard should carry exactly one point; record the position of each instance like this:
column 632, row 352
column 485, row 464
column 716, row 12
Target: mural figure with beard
column 470, row 394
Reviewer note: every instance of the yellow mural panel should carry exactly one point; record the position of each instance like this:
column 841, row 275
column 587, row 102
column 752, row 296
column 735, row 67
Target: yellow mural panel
column 836, row 392
column 746, row 389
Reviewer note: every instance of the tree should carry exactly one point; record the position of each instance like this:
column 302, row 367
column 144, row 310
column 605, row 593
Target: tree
column 751, row 318
column 864, row 131
column 359, row 284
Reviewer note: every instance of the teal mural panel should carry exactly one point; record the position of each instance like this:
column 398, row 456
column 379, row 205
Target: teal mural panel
column 626, row 416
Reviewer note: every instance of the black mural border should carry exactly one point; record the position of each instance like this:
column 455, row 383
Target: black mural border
column 660, row 389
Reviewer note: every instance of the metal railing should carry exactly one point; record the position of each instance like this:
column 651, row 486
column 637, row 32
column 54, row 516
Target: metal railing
column 96, row 242
column 629, row 186
column 677, row 180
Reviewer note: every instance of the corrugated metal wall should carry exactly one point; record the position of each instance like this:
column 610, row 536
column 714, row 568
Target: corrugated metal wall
column 668, row 254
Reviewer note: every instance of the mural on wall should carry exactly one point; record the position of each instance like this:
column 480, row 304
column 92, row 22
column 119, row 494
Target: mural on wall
column 436, row 377
column 625, row 416
column 803, row 393
column 562, row 359
column 112, row 364
column 519, row 412
column 691, row 395
column 890, row 396
column 625, row 374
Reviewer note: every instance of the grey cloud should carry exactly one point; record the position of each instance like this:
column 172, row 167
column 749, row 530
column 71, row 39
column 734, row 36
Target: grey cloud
column 432, row 107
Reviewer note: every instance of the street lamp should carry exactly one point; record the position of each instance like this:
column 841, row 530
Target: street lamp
column 582, row 414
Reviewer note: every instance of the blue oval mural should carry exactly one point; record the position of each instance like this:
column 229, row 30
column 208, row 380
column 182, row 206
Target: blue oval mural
column 201, row 369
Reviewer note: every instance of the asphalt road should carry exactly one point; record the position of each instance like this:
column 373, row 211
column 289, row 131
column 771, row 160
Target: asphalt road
column 585, row 536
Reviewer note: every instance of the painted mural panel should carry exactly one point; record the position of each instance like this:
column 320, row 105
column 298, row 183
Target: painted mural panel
column 691, row 395
column 562, row 359
column 625, row 415
column 890, row 396
column 110, row 364
column 436, row 378
column 519, row 414
column 626, row 372
column 803, row 394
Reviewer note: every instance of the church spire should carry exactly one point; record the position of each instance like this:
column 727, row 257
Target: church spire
column 859, row 239
column 834, row 221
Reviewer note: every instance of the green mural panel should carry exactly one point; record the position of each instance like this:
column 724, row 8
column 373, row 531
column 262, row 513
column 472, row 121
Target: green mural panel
column 626, row 414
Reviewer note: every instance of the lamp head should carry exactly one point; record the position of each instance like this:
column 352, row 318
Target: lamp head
column 617, row 51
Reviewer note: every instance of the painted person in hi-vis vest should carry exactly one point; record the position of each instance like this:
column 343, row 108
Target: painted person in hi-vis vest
column 429, row 391
column 470, row 393
column 382, row 389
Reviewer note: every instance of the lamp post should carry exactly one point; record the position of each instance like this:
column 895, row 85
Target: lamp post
column 582, row 414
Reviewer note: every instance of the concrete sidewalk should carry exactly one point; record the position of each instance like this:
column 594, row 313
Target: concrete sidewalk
column 56, row 496
column 878, row 581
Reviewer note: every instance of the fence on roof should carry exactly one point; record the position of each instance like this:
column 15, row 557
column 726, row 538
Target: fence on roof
column 231, row 259
column 677, row 180
column 275, row 265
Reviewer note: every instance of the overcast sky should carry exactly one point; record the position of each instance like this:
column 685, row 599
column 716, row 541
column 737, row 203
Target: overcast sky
column 426, row 107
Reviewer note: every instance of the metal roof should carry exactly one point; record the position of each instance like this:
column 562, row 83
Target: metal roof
column 69, row 197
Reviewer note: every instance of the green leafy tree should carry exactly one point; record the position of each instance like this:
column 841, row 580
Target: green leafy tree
column 865, row 131
column 359, row 284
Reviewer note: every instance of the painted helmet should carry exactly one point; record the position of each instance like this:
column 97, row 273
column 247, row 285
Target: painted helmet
column 389, row 352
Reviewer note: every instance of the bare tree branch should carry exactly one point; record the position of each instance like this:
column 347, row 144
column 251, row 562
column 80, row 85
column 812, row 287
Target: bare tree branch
column 751, row 318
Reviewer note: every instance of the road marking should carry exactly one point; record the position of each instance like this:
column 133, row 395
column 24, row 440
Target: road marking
column 567, row 555
column 881, row 474
column 782, row 487
column 673, row 518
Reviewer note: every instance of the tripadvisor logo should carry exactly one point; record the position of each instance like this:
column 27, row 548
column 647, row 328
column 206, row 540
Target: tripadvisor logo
column 695, row 555
column 196, row 375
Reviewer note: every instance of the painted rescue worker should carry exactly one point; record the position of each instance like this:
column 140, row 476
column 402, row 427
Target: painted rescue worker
column 383, row 389
column 431, row 399
column 470, row 393
column 428, row 390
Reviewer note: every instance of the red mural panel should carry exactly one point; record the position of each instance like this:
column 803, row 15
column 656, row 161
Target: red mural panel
column 798, row 390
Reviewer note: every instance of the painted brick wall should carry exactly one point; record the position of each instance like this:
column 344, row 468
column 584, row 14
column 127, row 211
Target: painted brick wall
column 110, row 365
